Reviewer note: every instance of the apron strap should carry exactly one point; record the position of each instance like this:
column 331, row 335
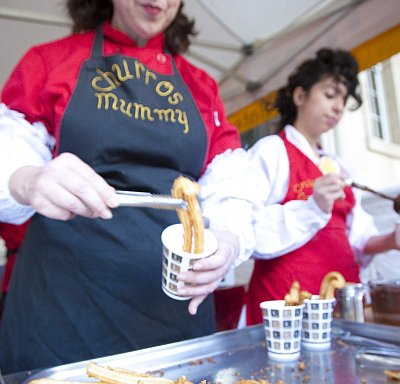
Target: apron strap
column 97, row 48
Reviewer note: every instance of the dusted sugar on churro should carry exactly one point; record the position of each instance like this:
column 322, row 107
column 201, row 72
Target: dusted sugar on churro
column 328, row 165
column 191, row 219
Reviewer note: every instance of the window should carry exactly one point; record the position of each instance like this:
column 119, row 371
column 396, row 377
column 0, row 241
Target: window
column 382, row 101
column 377, row 103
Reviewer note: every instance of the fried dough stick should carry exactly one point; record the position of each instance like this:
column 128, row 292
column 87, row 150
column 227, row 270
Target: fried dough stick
column 331, row 281
column 295, row 296
column 191, row 218
column 392, row 375
column 122, row 376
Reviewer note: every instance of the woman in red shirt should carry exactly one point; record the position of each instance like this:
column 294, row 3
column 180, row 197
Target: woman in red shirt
column 128, row 112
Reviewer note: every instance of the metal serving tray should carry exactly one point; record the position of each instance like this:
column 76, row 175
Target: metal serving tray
column 226, row 357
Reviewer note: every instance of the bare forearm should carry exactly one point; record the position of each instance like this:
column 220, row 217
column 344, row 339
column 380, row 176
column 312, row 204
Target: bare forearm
column 381, row 243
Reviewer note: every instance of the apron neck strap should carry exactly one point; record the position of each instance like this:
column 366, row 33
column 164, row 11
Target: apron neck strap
column 97, row 48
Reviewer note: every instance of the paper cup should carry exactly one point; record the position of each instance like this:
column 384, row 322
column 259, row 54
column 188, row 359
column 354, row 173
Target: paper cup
column 282, row 327
column 317, row 322
column 175, row 260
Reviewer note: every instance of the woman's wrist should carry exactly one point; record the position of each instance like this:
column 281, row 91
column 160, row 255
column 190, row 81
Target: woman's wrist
column 20, row 183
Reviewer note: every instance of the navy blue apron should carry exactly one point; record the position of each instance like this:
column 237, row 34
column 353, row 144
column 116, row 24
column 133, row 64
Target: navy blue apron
column 88, row 288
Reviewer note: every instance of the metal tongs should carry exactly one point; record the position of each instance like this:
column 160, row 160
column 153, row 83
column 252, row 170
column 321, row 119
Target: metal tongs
column 149, row 200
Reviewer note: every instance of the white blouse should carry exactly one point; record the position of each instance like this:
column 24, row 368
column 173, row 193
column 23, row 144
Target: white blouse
column 242, row 191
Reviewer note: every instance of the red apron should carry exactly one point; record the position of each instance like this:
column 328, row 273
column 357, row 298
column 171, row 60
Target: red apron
column 329, row 250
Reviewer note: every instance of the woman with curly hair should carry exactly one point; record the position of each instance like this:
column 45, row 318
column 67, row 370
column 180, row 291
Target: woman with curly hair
column 126, row 111
column 310, row 222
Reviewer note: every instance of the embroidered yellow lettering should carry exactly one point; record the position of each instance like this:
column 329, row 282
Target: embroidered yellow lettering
column 143, row 112
column 107, row 101
column 182, row 119
column 175, row 98
column 106, row 97
column 116, row 68
column 139, row 67
column 164, row 88
column 126, row 111
column 167, row 115
column 109, row 78
column 149, row 75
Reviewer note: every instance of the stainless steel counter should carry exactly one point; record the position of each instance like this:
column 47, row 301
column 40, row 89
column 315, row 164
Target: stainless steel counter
column 226, row 357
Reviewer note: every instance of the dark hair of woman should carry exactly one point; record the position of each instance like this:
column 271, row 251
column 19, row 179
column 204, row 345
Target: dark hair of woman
column 88, row 14
column 338, row 64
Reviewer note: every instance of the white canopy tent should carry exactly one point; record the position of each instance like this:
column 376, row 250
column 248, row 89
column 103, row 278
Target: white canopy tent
column 248, row 46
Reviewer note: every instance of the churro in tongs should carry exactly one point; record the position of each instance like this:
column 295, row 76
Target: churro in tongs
column 191, row 219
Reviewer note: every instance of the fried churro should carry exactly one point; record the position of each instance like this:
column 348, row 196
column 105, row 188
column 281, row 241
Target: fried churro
column 113, row 375
column 295, row 296
column 191, row 219
column 331, row 281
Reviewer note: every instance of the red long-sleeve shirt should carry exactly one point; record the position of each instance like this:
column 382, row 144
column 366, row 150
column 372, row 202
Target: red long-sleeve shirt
column 43, row 81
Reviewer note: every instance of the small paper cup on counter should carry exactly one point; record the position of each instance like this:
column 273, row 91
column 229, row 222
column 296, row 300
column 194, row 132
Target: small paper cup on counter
column 317, row 322
column 175, row 260
column 282, row 328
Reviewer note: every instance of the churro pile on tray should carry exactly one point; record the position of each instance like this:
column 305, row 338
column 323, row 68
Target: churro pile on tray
column 191, row 219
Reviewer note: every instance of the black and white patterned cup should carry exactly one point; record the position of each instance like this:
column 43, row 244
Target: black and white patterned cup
column 175, row 260
column 317, row 322
column 282, row 328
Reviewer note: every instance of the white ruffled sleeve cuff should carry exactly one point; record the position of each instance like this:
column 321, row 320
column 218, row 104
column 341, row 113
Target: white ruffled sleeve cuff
column 21, row 144
column 227, row 199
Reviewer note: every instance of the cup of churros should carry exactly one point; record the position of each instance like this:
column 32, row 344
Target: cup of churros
column 186, row 242
column 176, row 260
column 283, row 324
column 317, row 322
column 282, row 329
column 318, row 313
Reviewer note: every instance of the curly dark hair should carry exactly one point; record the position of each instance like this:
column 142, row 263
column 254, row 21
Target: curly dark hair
column 88, row 14
column 338, row 64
